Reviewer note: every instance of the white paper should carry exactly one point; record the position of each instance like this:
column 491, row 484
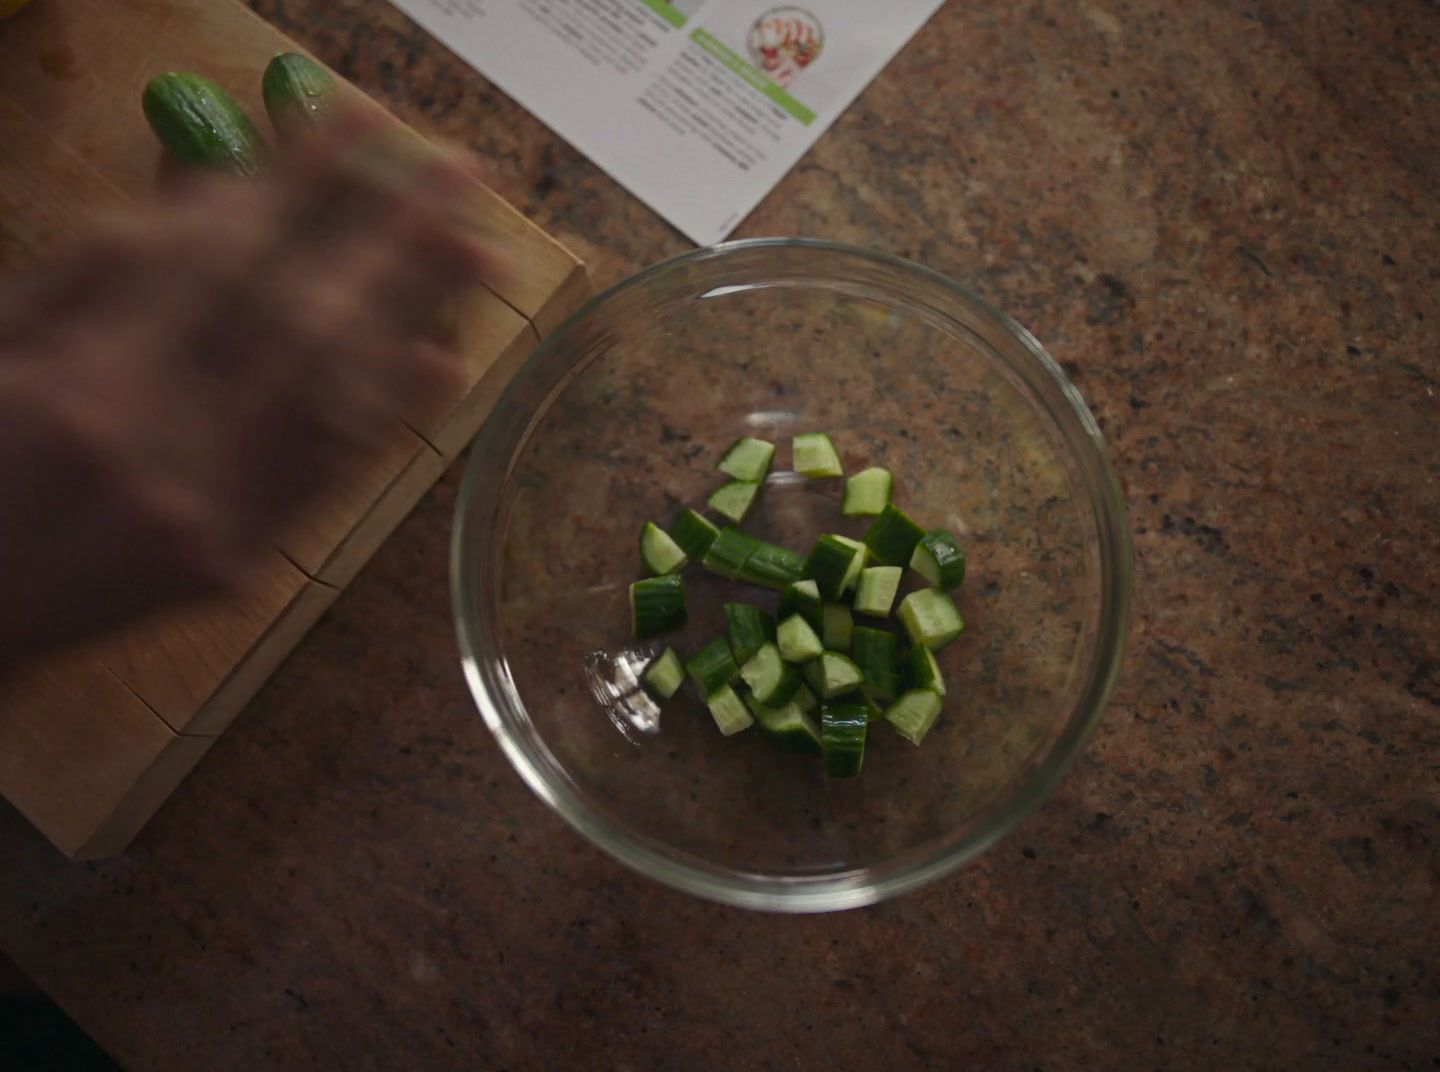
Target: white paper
column 698, row 107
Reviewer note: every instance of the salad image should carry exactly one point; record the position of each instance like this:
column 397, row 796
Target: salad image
column 784, row 41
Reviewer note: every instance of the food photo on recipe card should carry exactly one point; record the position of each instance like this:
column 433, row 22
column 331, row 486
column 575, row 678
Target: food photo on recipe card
column 697, row 107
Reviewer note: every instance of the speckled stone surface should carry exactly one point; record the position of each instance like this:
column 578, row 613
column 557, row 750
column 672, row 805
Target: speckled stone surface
column 1222, row 219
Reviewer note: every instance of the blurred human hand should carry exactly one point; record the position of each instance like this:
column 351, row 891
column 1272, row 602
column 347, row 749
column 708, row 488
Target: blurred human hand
column 181, row 383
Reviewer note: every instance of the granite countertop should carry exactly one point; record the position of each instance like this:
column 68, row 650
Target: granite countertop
column 1222, row 220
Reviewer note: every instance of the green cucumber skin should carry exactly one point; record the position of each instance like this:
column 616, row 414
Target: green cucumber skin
column 298, row 94
column 729, row 552
column 201, row 126
column 828, row 564
column 713, row 667
column 946, row 556
column 657, row 605
column 877, row 653
column 892, row 537
column 923, row 671
column 842, row 736
column 811, row 609
column 772, row 566
column 749, row 628
column 693, row 533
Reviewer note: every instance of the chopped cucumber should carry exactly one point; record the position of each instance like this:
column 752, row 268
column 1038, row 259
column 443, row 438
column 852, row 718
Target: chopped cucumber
column 659, row 552
column 729, row 552
column 877, row 653
column 771, row 566
column 875, row 594
column 664, row 676
column 930, row 617
column 747, row 459
column 924, row 670
column 867, row 493
column 693, row 533
column 842, row 738
column 733, row 500
column 713, row 667
column 771, row 678
column 814, row 456
column 835, row 626
column 833, row 674
column 858, row 563
column 938, row 558
column 749, row 628
column 657, row 605
column 802, row 598
column 914, row 713
column 892, row 536
column 791, row 676
column 793, row 728
column 829, row 564
column 729, row 711
column 872, row 709
column 797, row 640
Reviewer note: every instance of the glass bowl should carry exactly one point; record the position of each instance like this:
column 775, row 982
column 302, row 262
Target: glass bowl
column 620, row 416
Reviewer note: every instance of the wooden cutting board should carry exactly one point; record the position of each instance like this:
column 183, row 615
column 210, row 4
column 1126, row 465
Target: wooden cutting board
column 92, row 743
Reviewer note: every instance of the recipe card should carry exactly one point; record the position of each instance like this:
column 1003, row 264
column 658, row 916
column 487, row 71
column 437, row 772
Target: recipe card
column 698, row 107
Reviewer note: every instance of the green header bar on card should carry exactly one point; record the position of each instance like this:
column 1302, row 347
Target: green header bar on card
column 751, row 74
column 674, row 16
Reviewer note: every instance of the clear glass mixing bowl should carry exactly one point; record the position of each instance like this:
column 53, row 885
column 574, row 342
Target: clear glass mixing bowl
column 620, row 416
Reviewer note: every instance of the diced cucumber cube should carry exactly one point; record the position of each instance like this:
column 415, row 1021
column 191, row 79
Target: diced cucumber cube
column 713, row 667
column 867, row 493
column 729, row 552
column 859, row 562
column 938, row 558
column 664, row 676
column 797, row 640
column 875, row 594
column 748, row 459
column 693, row 533
column 771, row 566
column 815, row 457
column 771, row 678
column 835, row 626
column 877, row 653
column 802, row 598
column 914, row 713
column 659, row 552
column 805, row 699
column 729, row 711
column 931, row 618
column 842, row 737
column 830, row 563
column 892, row 536
column 657, row 605
column 833, row 674
column 749, row 628
column 733, row 500
column 924, row 671
column 793, row 728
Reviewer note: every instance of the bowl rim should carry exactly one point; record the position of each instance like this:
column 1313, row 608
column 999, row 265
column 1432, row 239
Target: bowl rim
column 542, row 772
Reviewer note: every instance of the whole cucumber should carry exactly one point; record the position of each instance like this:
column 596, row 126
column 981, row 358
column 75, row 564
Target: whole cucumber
column 298, row 93
column 201, row 126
